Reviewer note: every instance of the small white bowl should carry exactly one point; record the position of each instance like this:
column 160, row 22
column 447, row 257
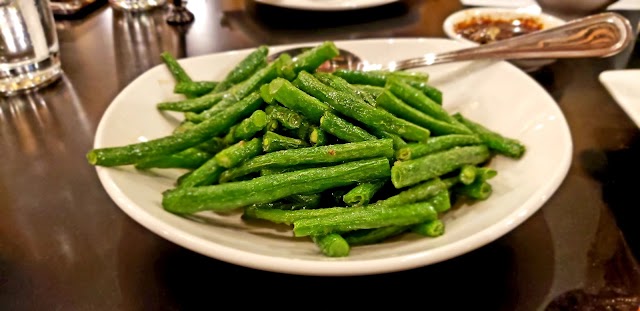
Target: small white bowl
column 545, row 20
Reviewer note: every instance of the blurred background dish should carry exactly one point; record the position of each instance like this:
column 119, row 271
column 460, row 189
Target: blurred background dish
column 326, row 5
column 622, row 85
column 573, row 9
column 486, row 25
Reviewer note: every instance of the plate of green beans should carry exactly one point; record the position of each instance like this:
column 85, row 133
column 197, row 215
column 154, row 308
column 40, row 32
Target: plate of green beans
column 275, row 165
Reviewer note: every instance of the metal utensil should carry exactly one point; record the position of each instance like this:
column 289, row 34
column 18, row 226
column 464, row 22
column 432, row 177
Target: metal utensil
column 598, row 35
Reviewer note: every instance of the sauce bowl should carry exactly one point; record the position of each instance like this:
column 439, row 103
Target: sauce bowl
column 485, row 25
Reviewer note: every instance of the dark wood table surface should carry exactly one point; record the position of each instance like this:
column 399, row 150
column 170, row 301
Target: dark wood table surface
column 64, row 244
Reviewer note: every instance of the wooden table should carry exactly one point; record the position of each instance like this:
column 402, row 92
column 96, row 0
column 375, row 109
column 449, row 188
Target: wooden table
column 64, row 244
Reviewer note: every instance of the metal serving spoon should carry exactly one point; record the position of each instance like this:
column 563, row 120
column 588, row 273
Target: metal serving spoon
column 599, row 35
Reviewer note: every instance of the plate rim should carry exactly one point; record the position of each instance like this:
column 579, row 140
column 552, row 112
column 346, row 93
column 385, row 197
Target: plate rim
column 336, row 266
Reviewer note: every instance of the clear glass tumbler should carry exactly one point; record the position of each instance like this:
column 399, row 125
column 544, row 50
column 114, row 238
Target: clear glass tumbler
column 136, row 5
column 28, row 45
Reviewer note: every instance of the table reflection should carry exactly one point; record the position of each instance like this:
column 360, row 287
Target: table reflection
column 139, row 38
column 44, row 136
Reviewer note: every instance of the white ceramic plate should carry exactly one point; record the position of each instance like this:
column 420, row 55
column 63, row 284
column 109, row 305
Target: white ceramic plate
column 496, row 94
column 326, row 5
column 624, row 87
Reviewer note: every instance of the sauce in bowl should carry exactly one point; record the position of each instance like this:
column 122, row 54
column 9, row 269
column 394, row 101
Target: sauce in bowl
column 485, row 29
column 486, row 25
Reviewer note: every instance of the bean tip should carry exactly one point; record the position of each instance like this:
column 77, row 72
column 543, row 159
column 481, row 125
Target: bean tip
column 92, row 157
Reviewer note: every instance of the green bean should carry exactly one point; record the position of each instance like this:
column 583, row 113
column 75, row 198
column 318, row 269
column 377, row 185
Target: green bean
column 359, row 110
column 374, row 81
column 188, row 159
column 379, row 77
column 176, row 70
column 342, row 129
column 372, row 236
column 249, row 86
column 271, row 188
column 302, row 133
column 251, row 63
column 133, row 153
column 207, row 174
column 418, row 100
column 194, row 88
column 247, row 128
column 195, row 118
column 416, row 76
column 332, row 245
column 308, row 200
column 280, row 205
column 433, row 228
column 400, row 109
column 239, row 152
column 452, row 181
column 311, row 59
column 289, row 217
column 344, row 86
column 420, row 192
column 373, row 77
column 374, row 91
column 432, row 192
column 318, row 136
column 417, row 193
column 435, row 144
column 405, row 173
column 250, row 126
column 274, row 142
column 432, row 92
column 182, row 177
column 210, row 171
column 485, row 173
column 495, row 141
column 285, row 116
column 183, row 126
column 441, row 201
column 265, row 92
column 328, row 154
column 297, row 100
column 478, row 190
column 197, row 105
column 286, row 216
column 467, row 174
column 398, row 142
column 272, row 125
column 212, row 146
column 365, row 218
column 363, row 193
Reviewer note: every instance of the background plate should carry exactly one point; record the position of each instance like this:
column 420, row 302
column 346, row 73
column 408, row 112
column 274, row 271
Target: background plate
column 326, row 5
column 624, row 87
column 496, row 94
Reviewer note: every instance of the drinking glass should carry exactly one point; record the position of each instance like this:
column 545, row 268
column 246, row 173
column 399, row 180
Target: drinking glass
column 28, row 45
column 136, row 5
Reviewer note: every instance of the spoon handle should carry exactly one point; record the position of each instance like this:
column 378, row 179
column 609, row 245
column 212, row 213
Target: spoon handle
column 598, row 35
